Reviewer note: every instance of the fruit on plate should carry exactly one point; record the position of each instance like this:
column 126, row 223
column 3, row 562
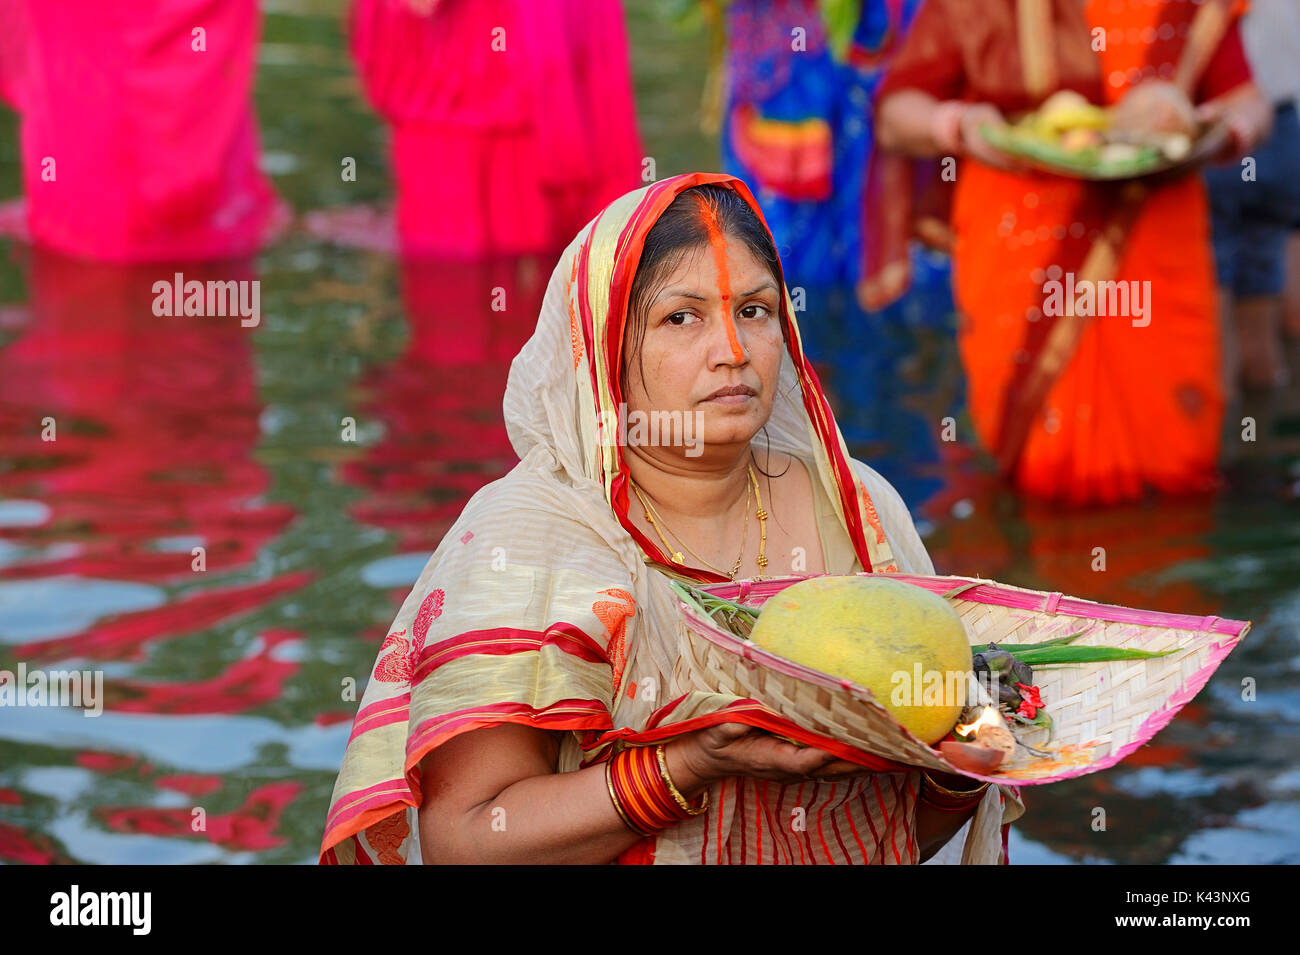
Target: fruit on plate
column 903, row 643
column 1153, row 124
column 1068, row 110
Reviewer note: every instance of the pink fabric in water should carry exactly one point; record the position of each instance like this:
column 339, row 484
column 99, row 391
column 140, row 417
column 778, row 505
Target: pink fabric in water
column 513, row 120
column 154, row 144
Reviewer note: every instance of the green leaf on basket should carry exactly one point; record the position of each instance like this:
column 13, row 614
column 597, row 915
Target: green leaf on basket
column 1051, row 655
column 737, row 617
column 1020, row 647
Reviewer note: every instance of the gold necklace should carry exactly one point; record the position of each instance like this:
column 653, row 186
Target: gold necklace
column 753, row 488
column 651, row 514
column 744, row 535
column 762, row 524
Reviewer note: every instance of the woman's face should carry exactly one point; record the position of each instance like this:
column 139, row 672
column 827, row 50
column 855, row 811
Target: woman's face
column 713, row 325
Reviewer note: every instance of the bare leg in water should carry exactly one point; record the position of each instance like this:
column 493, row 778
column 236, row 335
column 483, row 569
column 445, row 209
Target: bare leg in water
column 1259, row 338
column 1291, row 296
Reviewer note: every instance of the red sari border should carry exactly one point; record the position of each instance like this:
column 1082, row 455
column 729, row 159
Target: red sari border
column 504, row 641
column 368, row 806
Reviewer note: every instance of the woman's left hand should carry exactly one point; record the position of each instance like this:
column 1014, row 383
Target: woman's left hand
column 1247, row 115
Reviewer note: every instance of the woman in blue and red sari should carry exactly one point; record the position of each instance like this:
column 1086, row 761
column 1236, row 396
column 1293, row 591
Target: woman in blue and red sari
column 798, row 127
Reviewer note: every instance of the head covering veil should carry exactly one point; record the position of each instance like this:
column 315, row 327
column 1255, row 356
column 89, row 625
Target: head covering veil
column 545, row 606
column 590, row 302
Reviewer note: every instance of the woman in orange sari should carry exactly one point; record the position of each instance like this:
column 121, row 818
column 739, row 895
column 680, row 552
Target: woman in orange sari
column 527, row 705
column 1137, row 402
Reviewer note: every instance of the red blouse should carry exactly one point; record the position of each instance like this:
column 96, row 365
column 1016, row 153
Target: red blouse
column 952, row 55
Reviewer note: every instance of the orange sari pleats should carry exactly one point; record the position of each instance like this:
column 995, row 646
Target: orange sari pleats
column 1140, row 401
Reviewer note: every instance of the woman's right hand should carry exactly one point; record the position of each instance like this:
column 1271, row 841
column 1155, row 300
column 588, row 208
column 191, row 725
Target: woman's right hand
column 737, row 749
column 973, row 142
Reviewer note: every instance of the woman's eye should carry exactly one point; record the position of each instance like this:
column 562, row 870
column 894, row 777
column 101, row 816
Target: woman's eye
column 754, row 311
column 678, row 318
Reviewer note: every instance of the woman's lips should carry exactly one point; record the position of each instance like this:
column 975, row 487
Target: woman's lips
column 734, row 395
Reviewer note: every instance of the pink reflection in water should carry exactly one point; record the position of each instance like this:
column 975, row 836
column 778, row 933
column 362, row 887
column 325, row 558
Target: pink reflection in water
column 251, row 827
column 440, row 402
column 249, row 683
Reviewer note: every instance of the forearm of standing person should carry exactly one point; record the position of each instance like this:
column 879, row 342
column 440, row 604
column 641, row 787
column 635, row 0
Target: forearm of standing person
column 912, row 122
column 492, row 796
column 905, row 123
column 1247, row 114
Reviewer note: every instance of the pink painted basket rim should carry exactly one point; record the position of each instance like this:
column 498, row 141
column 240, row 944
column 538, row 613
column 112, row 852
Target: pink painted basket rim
column 989, row 592
column 1001, row 595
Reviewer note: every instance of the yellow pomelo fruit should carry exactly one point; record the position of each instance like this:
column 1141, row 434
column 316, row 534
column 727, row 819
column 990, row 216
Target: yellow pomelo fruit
column 903, row 643
column 1067, row 109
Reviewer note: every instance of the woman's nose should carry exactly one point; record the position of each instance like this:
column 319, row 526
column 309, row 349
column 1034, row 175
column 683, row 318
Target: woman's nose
column 727, row 325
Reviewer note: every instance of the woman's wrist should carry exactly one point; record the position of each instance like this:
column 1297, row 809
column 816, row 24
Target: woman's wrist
column 946, row 126
column 689, row 766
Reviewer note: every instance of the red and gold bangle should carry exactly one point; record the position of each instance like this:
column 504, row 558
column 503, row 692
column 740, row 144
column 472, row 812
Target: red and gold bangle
column 613, row 797
column 653, row 802
column 946, row 800
column 641, row 794
column 682, row 804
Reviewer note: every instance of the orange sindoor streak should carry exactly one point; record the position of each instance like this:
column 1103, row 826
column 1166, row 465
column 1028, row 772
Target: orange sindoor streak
column 718, row 242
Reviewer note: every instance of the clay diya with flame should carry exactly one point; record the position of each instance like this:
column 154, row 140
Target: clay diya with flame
column 988, row 741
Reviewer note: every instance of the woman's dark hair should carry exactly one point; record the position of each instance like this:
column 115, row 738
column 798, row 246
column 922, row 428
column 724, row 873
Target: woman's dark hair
column 680, row 230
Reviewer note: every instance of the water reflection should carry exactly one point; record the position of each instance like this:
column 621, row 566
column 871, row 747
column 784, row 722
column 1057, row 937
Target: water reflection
column 440, row 401
column 135, row 434
column 153, row 423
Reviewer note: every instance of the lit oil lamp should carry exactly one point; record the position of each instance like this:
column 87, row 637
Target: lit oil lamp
column 989, row 731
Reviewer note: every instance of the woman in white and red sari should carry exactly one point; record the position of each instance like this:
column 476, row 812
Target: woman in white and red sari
column 516, row 707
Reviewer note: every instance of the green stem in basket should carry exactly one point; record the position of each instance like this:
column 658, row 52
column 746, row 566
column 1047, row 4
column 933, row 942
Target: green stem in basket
column 1055, row 655
column 737, row 617
column 688, row 594
column 1019, row 647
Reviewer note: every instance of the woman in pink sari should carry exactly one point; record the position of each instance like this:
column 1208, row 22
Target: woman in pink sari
column 139, row 141
column 512, row 120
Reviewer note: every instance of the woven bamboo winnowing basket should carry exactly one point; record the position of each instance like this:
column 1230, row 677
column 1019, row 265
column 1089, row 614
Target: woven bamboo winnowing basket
column 1101, row 711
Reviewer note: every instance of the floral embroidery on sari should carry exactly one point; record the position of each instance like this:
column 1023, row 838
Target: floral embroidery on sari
column 430, row 610
column 869, row 507
column 575, row 334
column 396, row 666
column 613, row 614
column 387, row 836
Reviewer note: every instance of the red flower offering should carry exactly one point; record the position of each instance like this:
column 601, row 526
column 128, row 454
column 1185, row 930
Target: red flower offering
column 1031, row 702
